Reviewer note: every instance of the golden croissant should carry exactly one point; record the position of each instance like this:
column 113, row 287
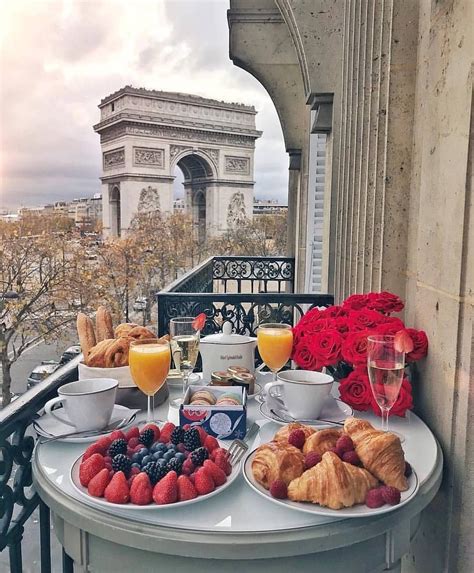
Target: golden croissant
column 283, row 433
column 380, row 452
column 322, row 441
column 274, row 461
column 332, row 483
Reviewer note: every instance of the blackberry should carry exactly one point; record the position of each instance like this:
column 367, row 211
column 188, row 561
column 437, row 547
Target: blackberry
column 198, row 456
column 174, row 464
column 177, row 435
column 121, row 463
column 146, row 437
column 155, row 471
column 191, row 439
column 117, row 447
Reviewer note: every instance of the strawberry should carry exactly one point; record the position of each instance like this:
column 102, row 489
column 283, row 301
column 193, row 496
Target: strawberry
column 186, row 489
column 155, row 429
column 117, row 491
column 166, row 431
column 219, row 452
column 203, row 481
column 108, row 462
column 141, row 492
column 134, row 432
column 202, row 433
column 104, row 443
column 90, row 468
column 211, row 443
column 117, row 435
column 188, row 466
column 98, row 483
column 223, row 463
column 166, row 490
column 131, row 479
column 216, row 473
column 94, row 448
column 133, row 442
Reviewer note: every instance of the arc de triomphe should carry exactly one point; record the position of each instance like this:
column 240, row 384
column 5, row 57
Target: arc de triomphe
column 145, row 134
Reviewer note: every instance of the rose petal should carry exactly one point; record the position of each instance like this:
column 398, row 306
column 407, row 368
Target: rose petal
column 403, row 341
column 199, row 322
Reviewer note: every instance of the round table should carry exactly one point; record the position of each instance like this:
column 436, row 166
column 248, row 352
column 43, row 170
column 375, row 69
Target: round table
column 236, row 530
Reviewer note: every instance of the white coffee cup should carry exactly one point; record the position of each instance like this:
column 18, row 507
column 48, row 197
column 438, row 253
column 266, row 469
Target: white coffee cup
column 301, row 392
column 87, row 404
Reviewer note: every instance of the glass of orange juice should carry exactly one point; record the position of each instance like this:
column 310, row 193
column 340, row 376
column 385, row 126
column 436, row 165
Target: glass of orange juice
column 149, row 361
column 275, row 342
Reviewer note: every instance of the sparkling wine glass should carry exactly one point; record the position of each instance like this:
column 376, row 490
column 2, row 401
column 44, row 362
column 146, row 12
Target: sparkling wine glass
column 386, row 366
column 275, row 342
column 184, row 345
column 149, row 361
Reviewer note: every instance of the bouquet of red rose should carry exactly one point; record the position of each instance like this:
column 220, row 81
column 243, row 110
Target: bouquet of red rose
column 336, row 338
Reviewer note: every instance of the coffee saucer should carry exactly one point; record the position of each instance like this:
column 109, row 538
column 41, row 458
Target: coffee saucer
column 50, row 427
column 334, row 411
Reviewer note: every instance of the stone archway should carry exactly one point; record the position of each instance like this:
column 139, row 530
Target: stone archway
column 145, row 133
column 115, row 211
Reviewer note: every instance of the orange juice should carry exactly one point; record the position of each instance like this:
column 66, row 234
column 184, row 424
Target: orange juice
column 149, row 365
column 274, row 345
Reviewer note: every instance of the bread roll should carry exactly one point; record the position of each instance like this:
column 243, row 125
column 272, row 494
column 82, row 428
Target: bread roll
column 103, row 324
column 85, row 330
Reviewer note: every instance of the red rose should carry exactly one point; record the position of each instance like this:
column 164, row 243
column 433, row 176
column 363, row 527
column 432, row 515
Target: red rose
column 355, row 389
column 356, row 302
column 310, row 316
column 319, row 326
column 364, row 319
column 354, row 348
column 390, row 327
column 341, row 324
column 333, row 312
column 385, row 302
column 303, row 355
column 326, row 347
column 420, row 341
column 404, row 401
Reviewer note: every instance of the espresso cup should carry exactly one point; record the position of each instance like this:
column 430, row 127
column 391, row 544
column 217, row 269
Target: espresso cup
column 301, row 392
column 87, row 404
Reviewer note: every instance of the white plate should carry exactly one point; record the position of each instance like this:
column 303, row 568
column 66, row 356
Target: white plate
column 49, row 427
column 104, row 503
column 360, row 510
column 334, row 410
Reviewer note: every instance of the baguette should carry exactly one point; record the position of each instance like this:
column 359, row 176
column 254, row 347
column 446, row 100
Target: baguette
column 103, row 324
column 85, row 330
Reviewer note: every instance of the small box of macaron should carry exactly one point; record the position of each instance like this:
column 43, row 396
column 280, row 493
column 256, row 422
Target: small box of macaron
column 222, row 412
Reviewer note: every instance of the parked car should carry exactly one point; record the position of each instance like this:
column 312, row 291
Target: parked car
column 70, row 353
column 39, row 373
column 140, row 303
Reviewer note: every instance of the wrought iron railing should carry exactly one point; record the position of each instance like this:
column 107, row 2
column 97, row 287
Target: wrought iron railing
column 18, row 499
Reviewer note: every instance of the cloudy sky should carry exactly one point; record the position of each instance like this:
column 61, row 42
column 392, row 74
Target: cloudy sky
column 59, row 58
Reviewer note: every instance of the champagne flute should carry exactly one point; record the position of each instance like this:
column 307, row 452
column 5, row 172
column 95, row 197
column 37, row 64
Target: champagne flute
column 386, row 367
column 149, row 361
column 275, row 343
column 185, row 345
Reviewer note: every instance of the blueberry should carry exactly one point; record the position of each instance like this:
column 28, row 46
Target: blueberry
column 167, row 456
column 145, row 460
column 161, row 447
column 180, row 456
column 135, row 465
column 172, row 450
column 143, row 451
column 136, row 458
column 157, row 455
column 161, row 462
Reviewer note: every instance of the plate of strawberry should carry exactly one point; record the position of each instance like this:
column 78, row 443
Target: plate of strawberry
column 153, row 467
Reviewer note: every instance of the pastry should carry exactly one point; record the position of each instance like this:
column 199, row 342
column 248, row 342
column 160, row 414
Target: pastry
column 96, row 357
column 123, row 329
column 229, row 399
column 274, row 461
column 380, row 452
column 322, row 441
column 116, row 354
column 203, row 396
column 199, row 402
column 85, row 330
column 103, row 324
column 332, row 483
column 283, row 433
column 140, row 333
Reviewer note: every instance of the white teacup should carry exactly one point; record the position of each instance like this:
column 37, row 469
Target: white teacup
column 87, row 404
column 302, row 392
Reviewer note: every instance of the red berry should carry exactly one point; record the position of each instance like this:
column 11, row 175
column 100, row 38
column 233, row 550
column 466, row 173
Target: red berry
column 134, row 432
column 297, row 438
column 133, row 442
column 335, row 451
column 166, row 431
column 311, row 459
column 203, row 481
column 374, row 498
column 188, row 467
column 223, row 463
column 117, row 435
column 217, row 474
column 141, row 491
column 166, row 490
column 98, row 483
column 390, row 495
column 117, row 491
column 90, row 468
column 408, row 470
column 279, row 489
column 156, row 431
column 181, row 448
column 211, row 443
column 94, row 448
column 104, row 443
column 351, row 458
column 344, row 444
column 202, row 433
column 219, row 452
column 186, row 489
column 134, row 471
column 192, row 477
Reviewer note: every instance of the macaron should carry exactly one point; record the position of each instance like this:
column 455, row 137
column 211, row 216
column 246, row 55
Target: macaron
column 204, row 395
column 199, row 403
column 229, row 400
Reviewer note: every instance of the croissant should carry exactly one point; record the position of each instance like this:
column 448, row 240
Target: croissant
column 96, row 355
column 380, row 452
column 332, row 483
column 124, row 328
column 117, row 353
column 277, row 461
column 140, row 333
column 282, row 435
column 103, row 324
column 322, row 441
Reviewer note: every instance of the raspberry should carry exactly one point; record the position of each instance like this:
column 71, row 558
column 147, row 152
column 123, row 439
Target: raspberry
column 133, row 442
column 297, row 438
column 390, row 495
column 408, row 470
column 134, row 432
column 311, row 459
column 374, row 498
column 278, row 488
column 188, row 467
column 351, row 458
column 344, row 444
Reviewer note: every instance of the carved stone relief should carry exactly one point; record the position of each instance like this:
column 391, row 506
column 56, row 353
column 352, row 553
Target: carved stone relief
column 114, row 158
column 239, row 165
column 151, row 157
column 236, row 213
column 177, row 149
column 149, row 200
